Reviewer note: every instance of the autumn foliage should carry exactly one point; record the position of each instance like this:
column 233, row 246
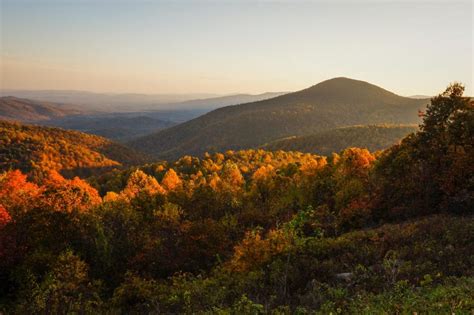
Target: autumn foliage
column 251, row 231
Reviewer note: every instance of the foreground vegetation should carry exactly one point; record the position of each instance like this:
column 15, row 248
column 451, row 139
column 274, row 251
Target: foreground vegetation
column 253, row 231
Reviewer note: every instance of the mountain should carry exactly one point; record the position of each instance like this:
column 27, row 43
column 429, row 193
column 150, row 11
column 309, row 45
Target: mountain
column 371, row 137
column 330, row 104
column 36, row 149
column 13, row 108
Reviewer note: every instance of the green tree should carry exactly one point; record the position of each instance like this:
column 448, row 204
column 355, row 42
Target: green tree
column 66, row 289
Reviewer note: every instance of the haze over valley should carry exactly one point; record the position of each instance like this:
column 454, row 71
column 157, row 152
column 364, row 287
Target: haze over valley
column 118, row 117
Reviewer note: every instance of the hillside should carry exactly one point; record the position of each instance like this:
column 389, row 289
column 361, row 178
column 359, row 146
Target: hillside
column 371, row 137
column 13, row 108
column 330, row 104
column 35, row 149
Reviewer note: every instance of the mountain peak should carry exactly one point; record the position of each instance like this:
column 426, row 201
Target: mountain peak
column 345, row 83
column 343, row 89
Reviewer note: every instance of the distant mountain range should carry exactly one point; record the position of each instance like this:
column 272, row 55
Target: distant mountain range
column 113, row 126
column 328, row 105
column 125, row 102
column 216, row 102
column 137, row 102
column 13, row 108
column 371, row 137
column 124, row 122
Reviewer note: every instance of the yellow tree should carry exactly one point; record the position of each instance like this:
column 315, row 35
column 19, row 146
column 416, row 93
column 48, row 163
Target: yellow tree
column 171, row 180
column 141, row 183
column 254, row 250
column 232, row 175
column 61, row 194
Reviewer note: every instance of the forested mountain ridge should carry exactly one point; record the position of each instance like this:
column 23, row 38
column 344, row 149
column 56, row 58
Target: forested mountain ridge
column 22, row 109
column 371, row 137
column 330, row 104
column 36, row 149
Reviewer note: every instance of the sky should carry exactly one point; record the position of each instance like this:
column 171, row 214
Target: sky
column 225, row 47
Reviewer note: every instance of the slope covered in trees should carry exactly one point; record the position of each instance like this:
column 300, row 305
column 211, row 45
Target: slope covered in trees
column 36, row 150
column 371, row 137
column 327, row 105
column 21, row 109
column 253, row 232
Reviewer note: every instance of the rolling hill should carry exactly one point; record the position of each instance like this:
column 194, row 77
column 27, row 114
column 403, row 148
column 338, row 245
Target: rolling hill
column 330, row 104
column 21, row 109
column 36, row 149
column 371, row 137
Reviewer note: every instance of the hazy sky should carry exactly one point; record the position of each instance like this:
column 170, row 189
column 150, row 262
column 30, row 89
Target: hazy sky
column 224, row 47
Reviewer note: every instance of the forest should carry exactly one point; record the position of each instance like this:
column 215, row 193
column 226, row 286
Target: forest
column 36, row 150
column 371, row 137
column 245, row 232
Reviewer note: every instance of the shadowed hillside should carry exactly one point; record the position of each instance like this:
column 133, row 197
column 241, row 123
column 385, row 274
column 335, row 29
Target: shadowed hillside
column 330, row 104
column 13, row 108
column 115, row 127
column 35, row 149
column 372, row 137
